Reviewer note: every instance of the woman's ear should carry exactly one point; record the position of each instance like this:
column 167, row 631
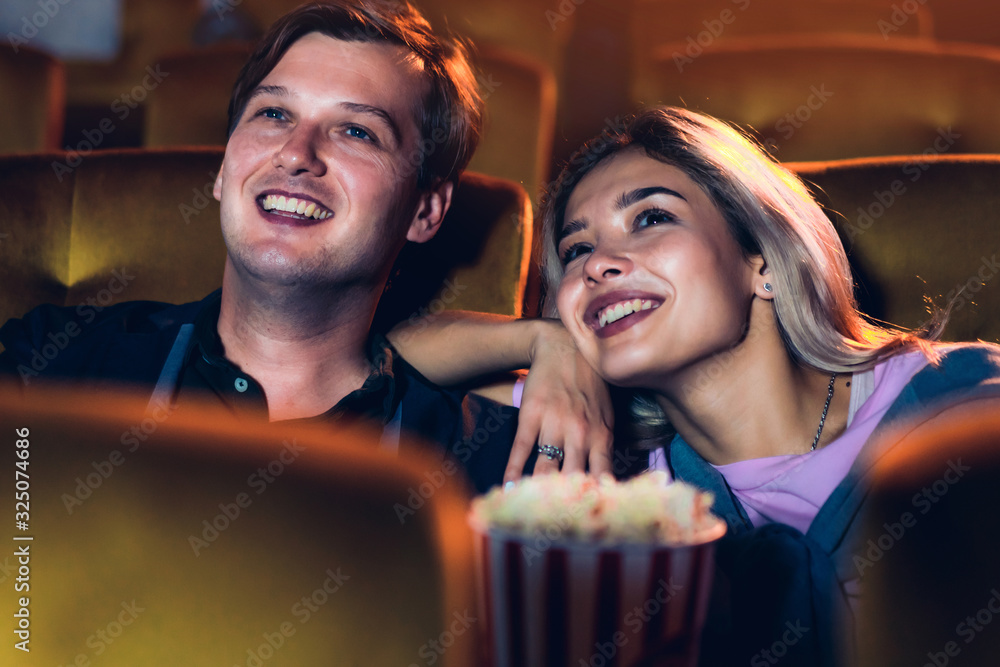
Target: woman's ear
column 763, row 286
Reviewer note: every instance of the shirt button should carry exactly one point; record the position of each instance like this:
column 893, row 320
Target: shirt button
column 241, row 385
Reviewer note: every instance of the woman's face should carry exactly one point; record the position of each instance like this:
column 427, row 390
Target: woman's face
column 654, row 282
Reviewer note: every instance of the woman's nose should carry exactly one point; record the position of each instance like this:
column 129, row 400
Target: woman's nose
column 602, row 265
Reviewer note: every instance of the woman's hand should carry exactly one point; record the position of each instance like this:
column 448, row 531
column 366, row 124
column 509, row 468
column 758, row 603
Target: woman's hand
column 565, row 404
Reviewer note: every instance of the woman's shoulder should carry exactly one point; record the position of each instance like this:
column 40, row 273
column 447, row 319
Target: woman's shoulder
column 953, row 372
column 979, row 358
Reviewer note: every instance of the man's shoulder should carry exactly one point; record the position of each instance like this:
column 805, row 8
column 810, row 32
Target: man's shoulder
column 87, row 341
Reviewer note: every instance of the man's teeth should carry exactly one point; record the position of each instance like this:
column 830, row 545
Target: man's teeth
column 301, row 207
column 621, row 309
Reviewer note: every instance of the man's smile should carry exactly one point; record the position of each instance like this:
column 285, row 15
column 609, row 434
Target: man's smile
column 293, row 206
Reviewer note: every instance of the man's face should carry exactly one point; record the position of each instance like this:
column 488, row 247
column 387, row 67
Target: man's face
column 317, row 185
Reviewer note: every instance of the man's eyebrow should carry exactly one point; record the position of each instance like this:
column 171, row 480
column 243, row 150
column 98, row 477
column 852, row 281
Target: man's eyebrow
column 570, row 228
column 279, row 91
column 633, row 196
column 379, row 112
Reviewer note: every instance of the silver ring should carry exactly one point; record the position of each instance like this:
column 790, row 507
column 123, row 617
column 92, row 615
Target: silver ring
column 551, row 451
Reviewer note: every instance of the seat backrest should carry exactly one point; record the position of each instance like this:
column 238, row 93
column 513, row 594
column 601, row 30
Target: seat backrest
column 142, row 224
column 966, row 21
column 189, row 106
column 822, row 98
column 190, row 538
column 916, row 227
column 698, row 26
column 928, row 556
column 520, row 119
column 32, row 100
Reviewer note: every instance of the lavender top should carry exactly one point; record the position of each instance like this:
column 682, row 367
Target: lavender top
column 791, row 488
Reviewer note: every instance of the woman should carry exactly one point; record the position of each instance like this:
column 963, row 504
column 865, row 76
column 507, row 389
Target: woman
column 689, row 267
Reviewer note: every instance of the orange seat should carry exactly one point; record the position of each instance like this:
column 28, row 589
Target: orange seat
column 929, row 551
column 196, row 538
column 822, row 98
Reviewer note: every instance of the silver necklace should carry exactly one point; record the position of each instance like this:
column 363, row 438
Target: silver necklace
column 826, row 408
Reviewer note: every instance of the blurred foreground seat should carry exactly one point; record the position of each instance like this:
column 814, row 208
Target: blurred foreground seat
column 919, row 226
column 193, row 539
column 142, row 224
column 822, row 98
column 930, row 554
column 32, row 100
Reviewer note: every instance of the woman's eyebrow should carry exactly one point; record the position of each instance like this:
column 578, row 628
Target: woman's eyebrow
column 629, row 198
column 571, row 227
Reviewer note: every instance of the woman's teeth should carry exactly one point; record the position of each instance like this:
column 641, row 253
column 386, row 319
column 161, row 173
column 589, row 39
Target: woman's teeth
column 615, row 312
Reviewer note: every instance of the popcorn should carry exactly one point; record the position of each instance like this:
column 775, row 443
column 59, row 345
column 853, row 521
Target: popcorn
column 645, row 509
column 564, row 562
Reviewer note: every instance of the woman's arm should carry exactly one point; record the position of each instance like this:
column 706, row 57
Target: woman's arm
column 564, row 404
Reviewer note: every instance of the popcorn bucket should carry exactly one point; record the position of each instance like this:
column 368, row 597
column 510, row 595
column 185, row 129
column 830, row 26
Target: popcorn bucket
column 549, row 601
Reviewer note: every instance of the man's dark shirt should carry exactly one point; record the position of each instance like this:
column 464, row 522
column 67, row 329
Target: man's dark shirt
column 130, row 343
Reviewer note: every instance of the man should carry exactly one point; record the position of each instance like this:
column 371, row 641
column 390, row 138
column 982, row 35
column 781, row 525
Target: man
column 349, row 128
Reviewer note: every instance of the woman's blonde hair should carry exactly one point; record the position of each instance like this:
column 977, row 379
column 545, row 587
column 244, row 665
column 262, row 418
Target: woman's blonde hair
column 770, row 213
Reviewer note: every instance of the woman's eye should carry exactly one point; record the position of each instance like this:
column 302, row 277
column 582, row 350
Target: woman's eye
column 653, row 217
column 574, row 251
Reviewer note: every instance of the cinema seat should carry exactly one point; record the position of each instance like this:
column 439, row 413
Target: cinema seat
column 929, row 552
column 198, row 539
column 823, row 98
column 32, row 99
column 706, row 23
column 142, row 224
column 190, row 107
column 918, row 227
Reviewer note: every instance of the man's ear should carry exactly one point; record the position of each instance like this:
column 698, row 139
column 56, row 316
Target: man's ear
column 217, row 188
column 432, row 205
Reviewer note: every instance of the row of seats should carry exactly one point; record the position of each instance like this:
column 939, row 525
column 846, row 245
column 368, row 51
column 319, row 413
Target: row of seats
column 836, row 79
column 915, row 226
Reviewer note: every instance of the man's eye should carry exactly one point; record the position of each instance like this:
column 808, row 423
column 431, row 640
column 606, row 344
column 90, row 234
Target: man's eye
column 574, row 251
column 653, row 217
column 271, row 112
column 360, row 133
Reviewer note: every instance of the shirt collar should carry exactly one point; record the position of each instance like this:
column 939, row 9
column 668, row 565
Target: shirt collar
column 377, row 399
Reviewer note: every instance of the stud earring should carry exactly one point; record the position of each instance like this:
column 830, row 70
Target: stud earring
column 768, row 288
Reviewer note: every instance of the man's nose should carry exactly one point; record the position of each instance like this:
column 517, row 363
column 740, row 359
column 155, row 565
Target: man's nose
column 299, row 155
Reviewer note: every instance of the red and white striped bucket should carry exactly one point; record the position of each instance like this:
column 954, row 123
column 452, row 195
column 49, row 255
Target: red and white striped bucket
column 557, row 603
